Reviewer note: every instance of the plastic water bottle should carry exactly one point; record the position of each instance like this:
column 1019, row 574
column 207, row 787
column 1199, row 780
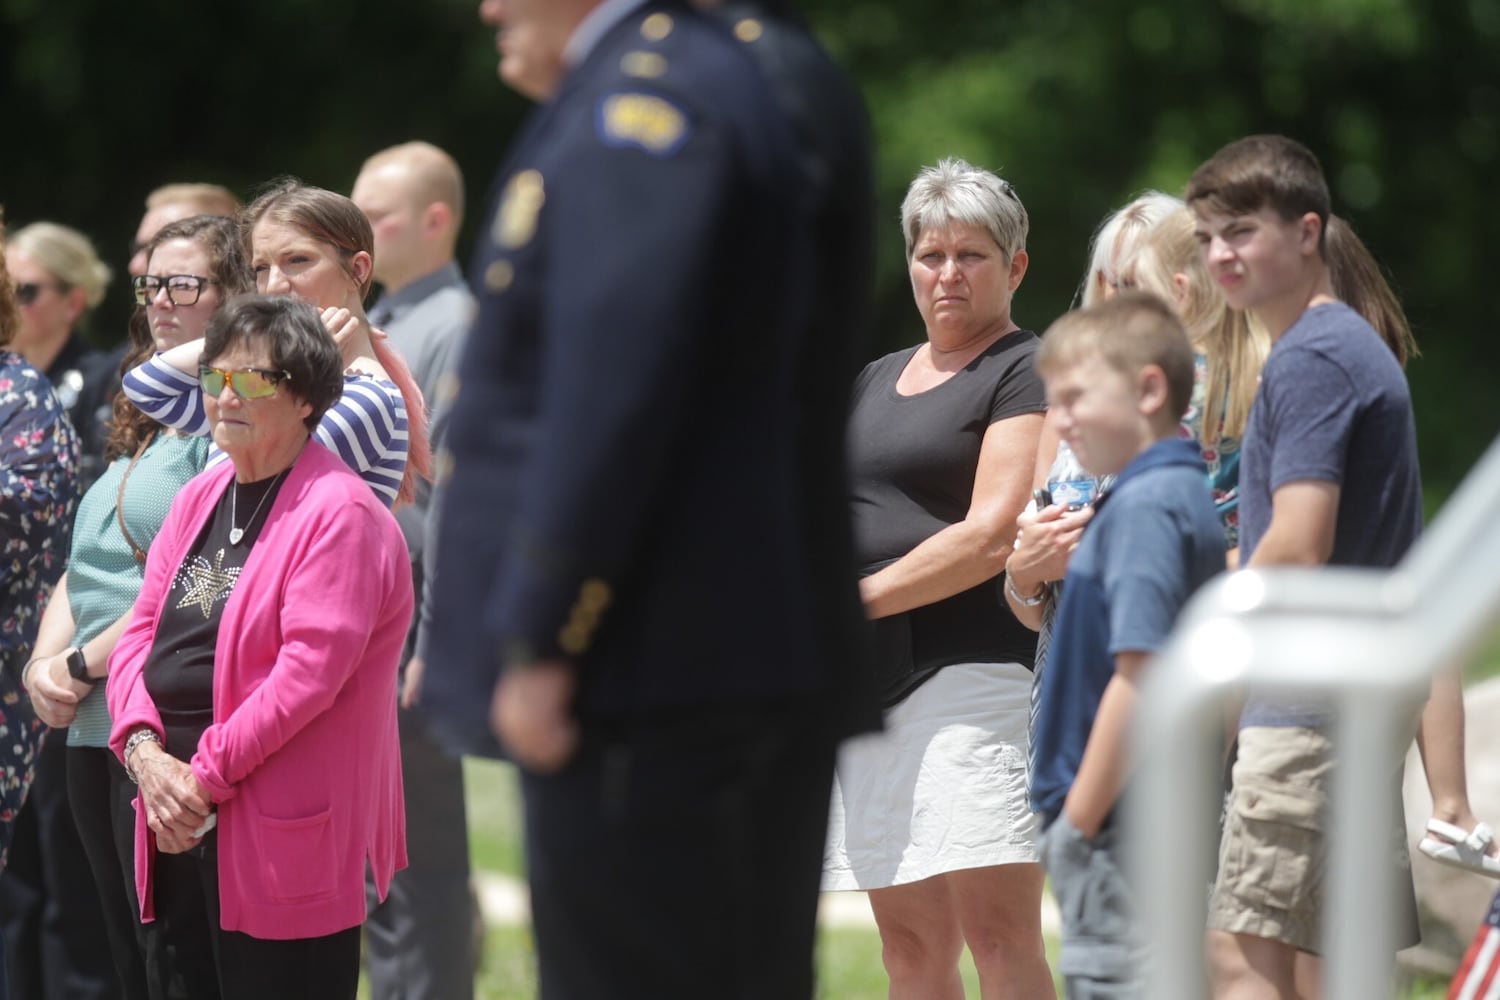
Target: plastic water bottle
column 1069, row 484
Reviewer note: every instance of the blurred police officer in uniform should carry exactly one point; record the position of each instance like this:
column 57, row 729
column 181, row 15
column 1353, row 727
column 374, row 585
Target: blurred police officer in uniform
column 645, row 581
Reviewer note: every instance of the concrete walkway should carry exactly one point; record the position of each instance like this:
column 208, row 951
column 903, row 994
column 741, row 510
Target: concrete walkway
column 506, row 902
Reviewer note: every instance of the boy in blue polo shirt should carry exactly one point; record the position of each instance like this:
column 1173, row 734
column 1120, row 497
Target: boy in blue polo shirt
column 1118, row 376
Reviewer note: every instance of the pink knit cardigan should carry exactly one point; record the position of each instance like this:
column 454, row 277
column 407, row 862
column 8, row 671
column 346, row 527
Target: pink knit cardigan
column 302, row 759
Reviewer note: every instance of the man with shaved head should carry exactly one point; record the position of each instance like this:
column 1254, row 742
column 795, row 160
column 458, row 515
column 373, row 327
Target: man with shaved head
column 418, row 944
column 171, row 202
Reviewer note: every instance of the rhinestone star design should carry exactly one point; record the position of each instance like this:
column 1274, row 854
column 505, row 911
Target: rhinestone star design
column 205, row 585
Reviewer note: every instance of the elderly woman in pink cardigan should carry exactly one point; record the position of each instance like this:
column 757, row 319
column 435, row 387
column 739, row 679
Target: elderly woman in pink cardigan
column 254, row 692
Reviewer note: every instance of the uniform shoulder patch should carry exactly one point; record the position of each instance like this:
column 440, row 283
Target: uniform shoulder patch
column 644, row 121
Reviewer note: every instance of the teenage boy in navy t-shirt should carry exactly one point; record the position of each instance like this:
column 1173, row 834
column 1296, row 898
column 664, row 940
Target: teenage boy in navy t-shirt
column 1328, row 475
column 1119, row 377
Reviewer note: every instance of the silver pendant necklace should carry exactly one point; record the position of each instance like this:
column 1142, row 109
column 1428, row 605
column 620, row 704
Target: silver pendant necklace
column 235, row 531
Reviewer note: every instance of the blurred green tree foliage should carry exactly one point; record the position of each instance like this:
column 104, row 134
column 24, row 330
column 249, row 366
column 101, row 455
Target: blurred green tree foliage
column 1079, row 104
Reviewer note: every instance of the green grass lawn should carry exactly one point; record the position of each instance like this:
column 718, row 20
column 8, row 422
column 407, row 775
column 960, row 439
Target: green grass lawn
column 849, row 965
column 848, row 968
column 493, row 803
column 848, row 958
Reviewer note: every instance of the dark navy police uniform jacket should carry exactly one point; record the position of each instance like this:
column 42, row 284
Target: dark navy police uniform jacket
column 645, row 466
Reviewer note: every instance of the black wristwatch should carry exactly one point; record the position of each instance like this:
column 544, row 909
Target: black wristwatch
column 78, row 668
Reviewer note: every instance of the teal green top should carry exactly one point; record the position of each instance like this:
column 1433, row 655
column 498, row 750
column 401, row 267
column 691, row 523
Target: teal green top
column 103, row 575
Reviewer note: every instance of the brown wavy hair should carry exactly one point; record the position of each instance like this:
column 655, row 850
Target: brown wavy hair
column 219, row 236
column 10, row 315
column 1360, row 283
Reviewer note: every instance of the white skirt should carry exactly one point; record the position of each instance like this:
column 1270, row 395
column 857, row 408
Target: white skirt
column 943, row 788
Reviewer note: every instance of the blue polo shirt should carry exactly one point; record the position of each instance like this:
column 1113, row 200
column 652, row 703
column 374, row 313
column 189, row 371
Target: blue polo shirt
column 1155, row 538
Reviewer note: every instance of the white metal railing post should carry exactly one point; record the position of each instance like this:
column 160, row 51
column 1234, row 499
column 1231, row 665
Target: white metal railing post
column 1362, row 870
column 1174, row 860
column 1370, row 640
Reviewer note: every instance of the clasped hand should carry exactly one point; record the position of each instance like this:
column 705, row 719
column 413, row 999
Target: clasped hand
column 54, row 693
column 1045, row 540
column 176, row 804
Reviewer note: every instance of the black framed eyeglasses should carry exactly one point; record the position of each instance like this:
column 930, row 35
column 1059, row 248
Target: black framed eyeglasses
column 27, row 291
column 247, row 383
column 182, row 289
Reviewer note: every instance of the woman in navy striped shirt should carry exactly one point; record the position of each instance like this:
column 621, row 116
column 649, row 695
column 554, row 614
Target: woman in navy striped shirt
column 317, row 246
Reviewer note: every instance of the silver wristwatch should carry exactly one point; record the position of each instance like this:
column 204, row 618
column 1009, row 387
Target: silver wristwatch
column 136, row 739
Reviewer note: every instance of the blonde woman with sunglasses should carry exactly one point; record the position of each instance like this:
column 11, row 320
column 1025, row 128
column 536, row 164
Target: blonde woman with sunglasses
column 59, row 280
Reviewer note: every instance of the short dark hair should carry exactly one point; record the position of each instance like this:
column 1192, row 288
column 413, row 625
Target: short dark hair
column 298, row 344
column 1127, row 332
column 1262, row 171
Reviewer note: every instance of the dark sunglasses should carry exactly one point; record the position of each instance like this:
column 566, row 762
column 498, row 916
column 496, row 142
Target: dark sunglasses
column 182, row 289
column 27, row 291
column 247, row 383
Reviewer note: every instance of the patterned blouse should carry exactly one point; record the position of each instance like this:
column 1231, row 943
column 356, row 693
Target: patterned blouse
column 1222, row 458
column 38, row 491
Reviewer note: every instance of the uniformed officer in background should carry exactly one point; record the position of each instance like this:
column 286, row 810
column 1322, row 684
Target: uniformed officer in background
column 645, row 582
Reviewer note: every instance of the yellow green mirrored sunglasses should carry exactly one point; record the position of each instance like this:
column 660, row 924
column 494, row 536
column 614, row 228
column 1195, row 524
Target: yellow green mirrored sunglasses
column 247, row 383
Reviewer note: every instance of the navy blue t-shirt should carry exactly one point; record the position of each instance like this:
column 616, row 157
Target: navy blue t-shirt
column 1154, row 540
column 1333, row 406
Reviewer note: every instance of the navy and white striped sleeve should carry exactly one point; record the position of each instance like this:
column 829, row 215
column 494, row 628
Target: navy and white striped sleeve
column 170, row 397
column 367, row 429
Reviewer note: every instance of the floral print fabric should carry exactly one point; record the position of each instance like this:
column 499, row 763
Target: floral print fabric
column 1222, row 458
column 38, row 492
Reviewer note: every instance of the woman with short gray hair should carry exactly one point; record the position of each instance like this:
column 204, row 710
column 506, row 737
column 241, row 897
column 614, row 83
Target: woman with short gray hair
column 931, row 816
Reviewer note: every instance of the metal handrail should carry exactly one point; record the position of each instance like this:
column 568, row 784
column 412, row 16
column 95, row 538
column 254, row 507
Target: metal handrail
column 1369, row 642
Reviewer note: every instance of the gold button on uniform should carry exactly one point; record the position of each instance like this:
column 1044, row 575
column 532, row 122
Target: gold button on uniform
column 594, row 595
column 656, row 27
column 520, row 204
column 583, row 621
column 573, row 640
column 499, row 275
column 645, row 65
column 748, row 30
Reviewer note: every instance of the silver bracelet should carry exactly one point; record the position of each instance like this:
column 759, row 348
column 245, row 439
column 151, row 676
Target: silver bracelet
column 136, row 739
column 1025, row 602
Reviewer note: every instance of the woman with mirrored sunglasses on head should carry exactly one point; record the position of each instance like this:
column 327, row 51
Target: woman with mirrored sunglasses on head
column 316, row 246
column 59, row 280
column 193, row 267
column 38, row 488
column 254, row 690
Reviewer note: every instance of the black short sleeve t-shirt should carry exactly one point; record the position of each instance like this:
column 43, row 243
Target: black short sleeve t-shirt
column 913, row 460
column 179, row 670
